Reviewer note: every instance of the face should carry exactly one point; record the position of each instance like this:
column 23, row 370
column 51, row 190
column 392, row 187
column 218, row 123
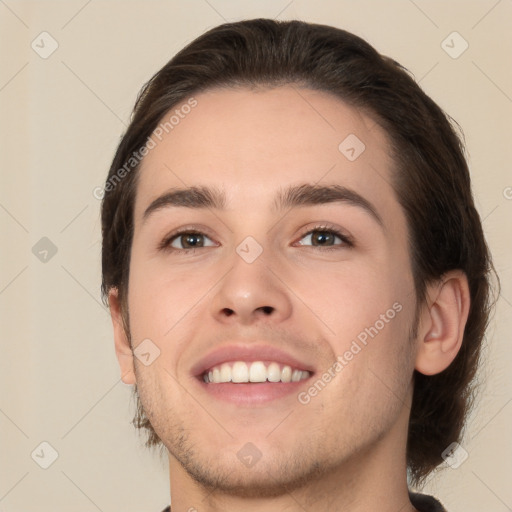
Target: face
column 294, row 265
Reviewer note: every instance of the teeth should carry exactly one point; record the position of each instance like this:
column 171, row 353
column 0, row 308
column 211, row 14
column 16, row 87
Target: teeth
column 286, row 374
column 273, row 372
column 257, row 371
column 296, row 375
column 225, row 373
column 239, row 372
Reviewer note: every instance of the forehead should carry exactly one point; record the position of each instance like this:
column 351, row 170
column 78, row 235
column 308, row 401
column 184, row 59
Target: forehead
column 249, row 143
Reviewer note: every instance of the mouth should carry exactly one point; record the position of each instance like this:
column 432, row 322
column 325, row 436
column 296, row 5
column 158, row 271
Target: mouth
column 239, row 372
column 250, row 374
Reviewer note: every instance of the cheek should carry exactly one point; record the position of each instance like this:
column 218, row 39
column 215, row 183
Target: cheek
column 159, row 298
column 348, row 298
column 366, row 308
column 369, row 315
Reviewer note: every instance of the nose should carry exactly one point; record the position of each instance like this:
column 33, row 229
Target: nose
column 251, row 292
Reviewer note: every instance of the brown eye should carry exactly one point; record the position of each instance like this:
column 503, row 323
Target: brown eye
column 322, row 237
column 186, row 241
column 190, row 240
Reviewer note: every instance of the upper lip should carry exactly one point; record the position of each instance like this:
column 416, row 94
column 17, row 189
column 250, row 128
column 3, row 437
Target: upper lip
column 240, row 352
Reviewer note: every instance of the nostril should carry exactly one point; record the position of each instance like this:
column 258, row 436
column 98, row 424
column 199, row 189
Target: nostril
column 266, row 309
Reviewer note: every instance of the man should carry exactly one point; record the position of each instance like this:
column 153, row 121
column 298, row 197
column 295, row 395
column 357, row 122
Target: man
column 290, row 253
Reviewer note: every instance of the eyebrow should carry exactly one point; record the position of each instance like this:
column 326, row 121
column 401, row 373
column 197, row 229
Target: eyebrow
column 202, row 197
column 197, row 197
column 308, row 195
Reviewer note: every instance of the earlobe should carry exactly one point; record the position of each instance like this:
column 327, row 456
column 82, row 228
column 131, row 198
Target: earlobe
column 440, row 339
column 122, row 343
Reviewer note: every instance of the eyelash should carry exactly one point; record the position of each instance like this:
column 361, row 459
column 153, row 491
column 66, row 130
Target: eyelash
column 165, row 245
column 326, row 228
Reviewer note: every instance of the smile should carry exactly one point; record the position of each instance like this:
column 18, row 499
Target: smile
column 254, row 372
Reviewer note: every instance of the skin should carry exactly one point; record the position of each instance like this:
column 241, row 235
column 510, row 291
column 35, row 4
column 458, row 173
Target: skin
column 345, row 449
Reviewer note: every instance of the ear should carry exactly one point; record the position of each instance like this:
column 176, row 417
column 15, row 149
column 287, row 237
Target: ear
column 443, row 322
column 122, row 343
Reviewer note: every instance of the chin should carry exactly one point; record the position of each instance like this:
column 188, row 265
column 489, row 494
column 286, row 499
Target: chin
column 248, row 473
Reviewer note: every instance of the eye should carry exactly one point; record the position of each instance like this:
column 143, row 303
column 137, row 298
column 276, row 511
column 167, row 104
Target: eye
column 324, row 237
column 185, row 241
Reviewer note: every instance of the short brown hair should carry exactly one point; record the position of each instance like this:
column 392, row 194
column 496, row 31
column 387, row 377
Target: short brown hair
column 431, row 181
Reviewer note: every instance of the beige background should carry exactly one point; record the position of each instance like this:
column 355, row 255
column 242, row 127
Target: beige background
column 60, row 120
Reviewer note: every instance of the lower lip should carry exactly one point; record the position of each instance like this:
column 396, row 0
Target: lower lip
column 248, row 393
